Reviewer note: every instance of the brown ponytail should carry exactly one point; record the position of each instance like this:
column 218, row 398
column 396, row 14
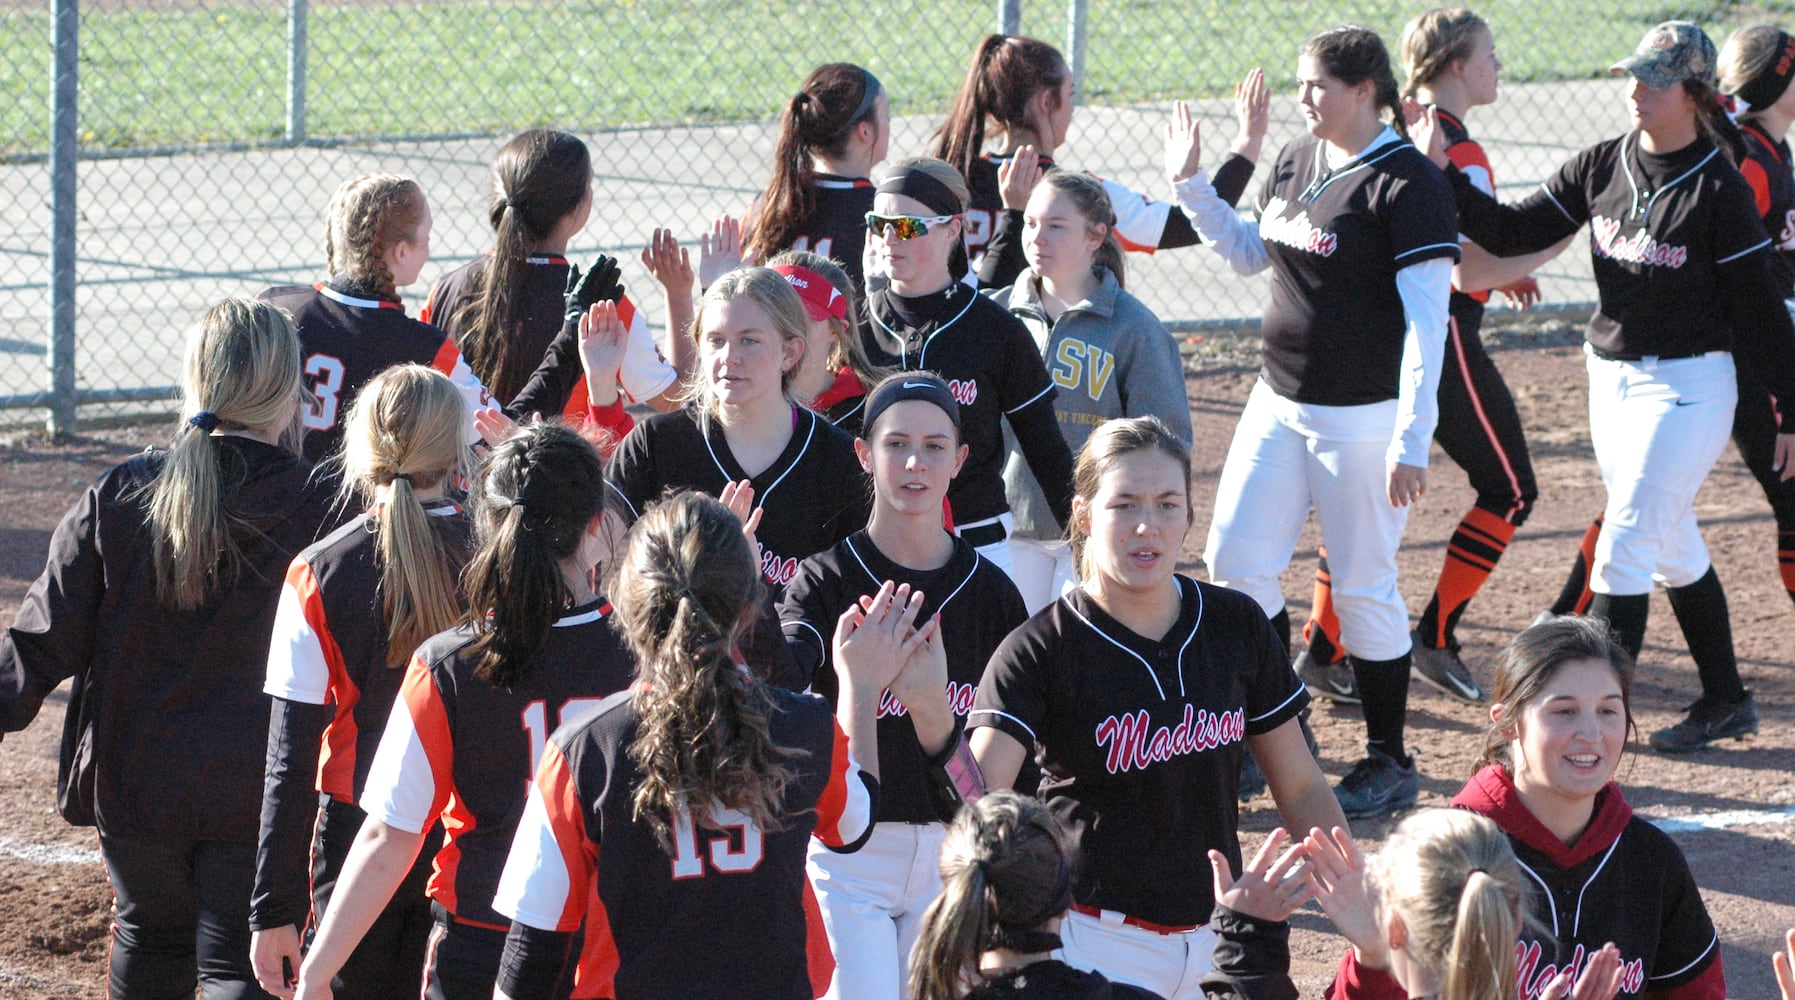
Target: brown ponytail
column 1452, row 877
column 1354, row 54
column 1007, row 71
column 1712, row 120
column 687, row 591
column 241, row 373
column 533, row 499
column 1004, row 874
column 407, row 430
column 819, row 118
column 1434, row 40
column 369, row 215
column 539, row 178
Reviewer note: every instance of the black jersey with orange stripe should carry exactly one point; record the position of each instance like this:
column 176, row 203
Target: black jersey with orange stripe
column 837, row 226
column 1766, row 169
column 460, row 749
column 348, row 337
column 329, row 648
column 1468, row 156
column 978, row 606
column 673, row 922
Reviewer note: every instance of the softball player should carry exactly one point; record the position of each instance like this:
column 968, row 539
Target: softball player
column 1359, row 235
column 376, row 240
column 1755, row 68
column 834, row 374
column 872, row 900
column 506, row 308
column 1674, row 234
column 476, row 708
column 1107, row 354
column 607, row 838
column 1008, row 881
column 926, row 320
column 354, row 607
column 1023, row 87
column 1450, row 57
column 159, row 605
column 1139, row 693
column 833, row 132
column 1560, row 717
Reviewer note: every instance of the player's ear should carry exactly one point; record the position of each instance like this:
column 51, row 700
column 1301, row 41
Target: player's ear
column 960, row 460
column 864, row 454
column 1081, row 515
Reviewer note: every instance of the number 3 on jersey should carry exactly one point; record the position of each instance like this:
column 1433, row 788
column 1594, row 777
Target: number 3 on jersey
column 326, row 374
column 725, row 856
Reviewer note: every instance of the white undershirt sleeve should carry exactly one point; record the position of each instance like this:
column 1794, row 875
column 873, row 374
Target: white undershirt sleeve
column 1426, row 289
column 1235, row 238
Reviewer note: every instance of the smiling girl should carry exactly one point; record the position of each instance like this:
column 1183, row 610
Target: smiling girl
column 1138, row 693
column 1559, row 722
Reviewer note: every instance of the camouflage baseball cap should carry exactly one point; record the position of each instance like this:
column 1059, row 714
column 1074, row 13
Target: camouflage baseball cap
column 1669, row 54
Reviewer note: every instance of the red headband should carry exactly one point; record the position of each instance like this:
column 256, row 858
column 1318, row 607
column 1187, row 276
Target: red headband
column 822, row 300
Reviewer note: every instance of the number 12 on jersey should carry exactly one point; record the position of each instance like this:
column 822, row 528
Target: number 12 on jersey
column 733, row 827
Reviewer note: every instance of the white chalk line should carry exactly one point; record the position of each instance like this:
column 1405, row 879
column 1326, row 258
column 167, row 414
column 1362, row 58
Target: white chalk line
column 1725, row 819
column 49, row 854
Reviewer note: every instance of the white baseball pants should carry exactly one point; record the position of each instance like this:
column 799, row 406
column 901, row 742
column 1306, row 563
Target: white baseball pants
column 872, row 903
column 1171, row 965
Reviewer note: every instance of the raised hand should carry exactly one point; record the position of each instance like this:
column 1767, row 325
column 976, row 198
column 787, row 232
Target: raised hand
column 739, row 498
column 604, row 340
column 1338, row 868
column 493, row 426
column 1600, row 979
column 720, row 250
column 1783, row 962
column 1252, row 108
column 873, row 640
column 1425, row 132
column 600, row 284
column 1017, row 177
column 1272, row 886
column 1184, row 143
column 1522, row 294
column 670, row 263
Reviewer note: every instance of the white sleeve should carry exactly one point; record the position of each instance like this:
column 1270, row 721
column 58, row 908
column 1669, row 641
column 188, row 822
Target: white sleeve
column 1426, row 289
column 1140, row 221
column 1235, row 238
column 298, row 663
column 401, row 788
column 536, row 885
column 644, row 373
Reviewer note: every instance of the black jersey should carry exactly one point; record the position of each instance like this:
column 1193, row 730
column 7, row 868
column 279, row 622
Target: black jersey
column 1468, row 156
column 725, row 913
column 1140, row 740
column 541, row 305
column 991, row 364
column 1766, row 169
column 978, row 606
column 1053, row 980
column 167, row 720
column 836, row 228
column 1681, row 260
column 814, row 495
column 457, row 748
column 347, row 338
column 1334, row 324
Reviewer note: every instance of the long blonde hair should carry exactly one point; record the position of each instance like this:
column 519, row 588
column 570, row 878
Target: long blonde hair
column 407, row 431
column 241, row 373
column 1004, row 873
column 1452, row 877
column 687, row 591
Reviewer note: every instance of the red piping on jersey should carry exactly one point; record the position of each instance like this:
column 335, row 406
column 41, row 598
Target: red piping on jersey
column 1763, row 137
column 1483, row 420
column 1491, row 793
column 599, row 961
column 356, row 301
column 834, row 799
column 554, row 782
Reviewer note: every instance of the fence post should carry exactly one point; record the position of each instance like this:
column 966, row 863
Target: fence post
column 1009, row 17
column 64, row 153
column 1075, row 24
column 296, row 52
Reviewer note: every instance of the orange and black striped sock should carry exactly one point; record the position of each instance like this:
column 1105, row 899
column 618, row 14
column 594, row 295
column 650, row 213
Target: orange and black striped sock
column 1575, row 597
column 1785, row 558
column 1322, row 633
column 1476, row 546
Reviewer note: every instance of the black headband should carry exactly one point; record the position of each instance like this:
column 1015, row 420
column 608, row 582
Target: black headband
column 867, row 97
column 1767, row 87
column 919, row 385
column 934, row 195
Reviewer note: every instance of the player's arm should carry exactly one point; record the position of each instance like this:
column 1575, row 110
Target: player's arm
column 671, row 265
column 547, row 880
column 51, row 638
column 1425, row 289
column 1236, row 239
column 1479, row 270
column 1000, row 757
column 280, row 899
column 378, row 861
column 1298, row 786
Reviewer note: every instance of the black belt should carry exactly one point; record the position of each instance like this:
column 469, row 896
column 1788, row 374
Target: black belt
column 984, row 534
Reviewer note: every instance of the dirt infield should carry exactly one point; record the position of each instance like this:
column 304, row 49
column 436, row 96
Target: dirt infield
column 1732, row 809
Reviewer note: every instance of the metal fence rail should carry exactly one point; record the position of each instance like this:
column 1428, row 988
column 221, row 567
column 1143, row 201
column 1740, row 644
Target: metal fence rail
column 209, row 134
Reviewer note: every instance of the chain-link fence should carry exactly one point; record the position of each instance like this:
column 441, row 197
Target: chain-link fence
column 208, row 136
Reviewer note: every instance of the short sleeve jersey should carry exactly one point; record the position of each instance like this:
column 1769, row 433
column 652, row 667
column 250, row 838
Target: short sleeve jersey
column 814, row 495
column 978, row 606
column 1140, row 740
column 347, row 338
column 1334, row 325
column 459, row 749
column 721, row 914
column 330, row 644
column 1766, row 170
column 991, row 365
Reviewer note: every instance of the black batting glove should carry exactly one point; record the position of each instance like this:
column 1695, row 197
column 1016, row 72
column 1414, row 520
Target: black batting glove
column 600, row 284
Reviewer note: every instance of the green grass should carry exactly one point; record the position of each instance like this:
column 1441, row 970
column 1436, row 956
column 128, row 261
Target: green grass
column 218, row 75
